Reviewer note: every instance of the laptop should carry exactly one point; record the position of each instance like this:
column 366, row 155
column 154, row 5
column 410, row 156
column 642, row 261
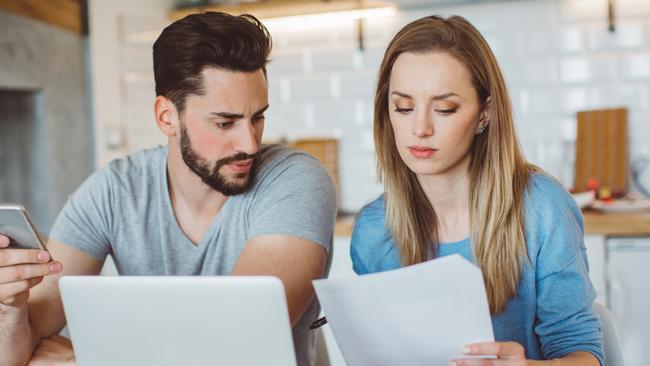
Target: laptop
column 168, row 320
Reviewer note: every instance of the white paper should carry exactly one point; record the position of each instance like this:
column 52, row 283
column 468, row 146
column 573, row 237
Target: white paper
column 417, row 315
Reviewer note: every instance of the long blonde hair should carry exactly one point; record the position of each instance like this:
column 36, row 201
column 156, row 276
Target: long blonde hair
column 498, row 172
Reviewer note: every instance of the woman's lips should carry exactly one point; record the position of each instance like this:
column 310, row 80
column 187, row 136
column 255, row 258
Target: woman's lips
column 422, row 152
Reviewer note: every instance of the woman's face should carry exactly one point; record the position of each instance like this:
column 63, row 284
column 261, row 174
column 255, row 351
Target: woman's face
column 434, row 111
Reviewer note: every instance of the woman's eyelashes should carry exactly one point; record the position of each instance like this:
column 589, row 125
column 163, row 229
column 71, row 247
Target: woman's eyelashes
column 447, row 111
column 443, row 112
column 403, row 110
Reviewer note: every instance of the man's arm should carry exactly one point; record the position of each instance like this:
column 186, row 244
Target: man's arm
column 23, row 324
column 295, row 261
column 46, row 315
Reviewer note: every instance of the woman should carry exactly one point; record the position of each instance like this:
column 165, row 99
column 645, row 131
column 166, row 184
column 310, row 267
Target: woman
column 456, row 182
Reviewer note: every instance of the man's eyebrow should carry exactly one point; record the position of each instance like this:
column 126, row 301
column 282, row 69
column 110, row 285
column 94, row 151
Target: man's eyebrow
column 262, row 110
column 229, row 115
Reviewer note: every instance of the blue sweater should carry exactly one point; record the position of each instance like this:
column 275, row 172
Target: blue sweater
column 552, row 314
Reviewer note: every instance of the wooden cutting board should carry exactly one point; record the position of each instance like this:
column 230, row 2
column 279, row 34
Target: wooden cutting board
column 601, row 149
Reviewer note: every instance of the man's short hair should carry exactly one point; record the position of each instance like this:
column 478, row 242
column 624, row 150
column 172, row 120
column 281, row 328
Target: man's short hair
column 185, row 47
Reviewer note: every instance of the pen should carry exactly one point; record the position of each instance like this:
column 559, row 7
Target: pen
column 318, row 323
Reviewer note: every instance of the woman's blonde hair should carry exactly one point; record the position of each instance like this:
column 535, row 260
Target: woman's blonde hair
column 498, row 172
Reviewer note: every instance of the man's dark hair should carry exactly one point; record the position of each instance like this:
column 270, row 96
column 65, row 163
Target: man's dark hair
column 220, row 40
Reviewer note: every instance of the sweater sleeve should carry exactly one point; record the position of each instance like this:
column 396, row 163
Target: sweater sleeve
column 565, row 321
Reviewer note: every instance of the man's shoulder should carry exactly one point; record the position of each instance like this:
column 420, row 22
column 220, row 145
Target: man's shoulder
column 137, row 169
column 276, row 161
column 273, row 155
column 139, row 161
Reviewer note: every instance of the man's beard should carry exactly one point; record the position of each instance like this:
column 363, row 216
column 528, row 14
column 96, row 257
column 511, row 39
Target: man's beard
column 211, row 176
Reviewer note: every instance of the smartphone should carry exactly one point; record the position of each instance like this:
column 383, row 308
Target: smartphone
column 16, row 224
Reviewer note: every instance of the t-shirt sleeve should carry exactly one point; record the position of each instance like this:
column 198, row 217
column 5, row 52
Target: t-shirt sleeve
column 566, row 321
column 371, row 241
column 358, row 252
column 297, row 197
column 85, row 220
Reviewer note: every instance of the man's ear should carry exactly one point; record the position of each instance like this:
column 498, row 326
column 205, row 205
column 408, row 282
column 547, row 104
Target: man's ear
column 166, row 115
column 485, row 117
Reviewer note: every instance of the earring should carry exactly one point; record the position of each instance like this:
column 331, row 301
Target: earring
column 480, row 130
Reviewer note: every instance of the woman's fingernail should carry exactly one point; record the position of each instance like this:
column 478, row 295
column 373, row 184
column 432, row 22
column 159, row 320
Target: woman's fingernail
column 452, row 363
column 467, row 350
column 55, row 267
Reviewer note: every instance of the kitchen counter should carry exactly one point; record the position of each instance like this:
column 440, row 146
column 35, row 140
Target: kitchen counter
column 596, row 223
column 617, row 224
column 344, row 226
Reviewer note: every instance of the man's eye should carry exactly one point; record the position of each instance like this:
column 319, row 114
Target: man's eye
column 225, row 125
column 258, row 119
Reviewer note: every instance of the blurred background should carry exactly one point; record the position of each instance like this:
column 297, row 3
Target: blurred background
column 76, row 91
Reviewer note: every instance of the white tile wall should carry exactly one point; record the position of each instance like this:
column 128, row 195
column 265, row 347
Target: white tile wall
column 629, row 34
column 587, row 69
column 570, row 39
column 557, row 56
column 634, row 65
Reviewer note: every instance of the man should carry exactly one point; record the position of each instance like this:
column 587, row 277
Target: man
column 212, row 202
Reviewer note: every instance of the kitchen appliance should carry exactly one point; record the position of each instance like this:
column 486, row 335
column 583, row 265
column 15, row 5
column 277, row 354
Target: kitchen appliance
column 629, row 295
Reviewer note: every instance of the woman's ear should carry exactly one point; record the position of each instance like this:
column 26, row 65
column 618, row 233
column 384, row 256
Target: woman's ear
column 485, row 117
column 166, row 115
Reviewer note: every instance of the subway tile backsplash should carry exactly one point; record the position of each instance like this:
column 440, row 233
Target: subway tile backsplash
column 558, row 57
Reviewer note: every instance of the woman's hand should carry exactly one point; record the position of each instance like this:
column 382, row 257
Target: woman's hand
column 54, row 351
column 506, row 353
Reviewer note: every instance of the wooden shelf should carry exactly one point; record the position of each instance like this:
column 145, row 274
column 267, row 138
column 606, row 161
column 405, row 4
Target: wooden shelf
column 282, row 8
column 65, row 14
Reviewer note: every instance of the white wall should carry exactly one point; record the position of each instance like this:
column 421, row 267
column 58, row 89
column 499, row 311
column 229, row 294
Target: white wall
column 557, row 55
column 113, row 26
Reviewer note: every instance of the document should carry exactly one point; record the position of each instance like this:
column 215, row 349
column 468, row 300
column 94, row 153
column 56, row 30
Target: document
column 422, row 314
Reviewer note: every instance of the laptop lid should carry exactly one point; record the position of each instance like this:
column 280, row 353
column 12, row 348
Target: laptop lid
column 168, row 320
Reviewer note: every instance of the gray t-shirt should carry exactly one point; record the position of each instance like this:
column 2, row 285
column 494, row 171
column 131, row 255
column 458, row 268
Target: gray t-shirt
column 125, row 210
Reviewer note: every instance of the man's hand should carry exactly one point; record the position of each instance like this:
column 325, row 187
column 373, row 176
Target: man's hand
column 20, row 270
column 54, row 351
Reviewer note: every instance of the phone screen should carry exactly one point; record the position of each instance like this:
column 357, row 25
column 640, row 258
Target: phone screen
column 15, row 223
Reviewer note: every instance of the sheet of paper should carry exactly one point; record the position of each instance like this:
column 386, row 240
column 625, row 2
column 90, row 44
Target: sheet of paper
column 418, row 315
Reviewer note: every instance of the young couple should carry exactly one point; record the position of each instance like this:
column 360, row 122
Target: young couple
column 215, row 201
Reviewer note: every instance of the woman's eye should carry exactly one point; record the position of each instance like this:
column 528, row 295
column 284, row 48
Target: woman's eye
column 258, row 119
column 447, row 111
column 403, row 110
